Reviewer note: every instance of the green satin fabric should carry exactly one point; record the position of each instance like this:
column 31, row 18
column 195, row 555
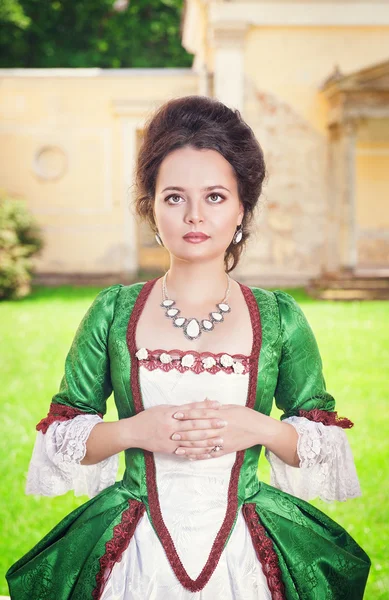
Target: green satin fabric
column 318, row 558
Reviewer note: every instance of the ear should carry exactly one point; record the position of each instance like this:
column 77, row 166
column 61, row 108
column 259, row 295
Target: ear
column 241, row 214
column 154, row 220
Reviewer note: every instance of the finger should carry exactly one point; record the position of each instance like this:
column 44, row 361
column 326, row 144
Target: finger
column 196, row 435
column 196, row 413
column 197, row 452
column 193, row 405
column 201, row 443
column 196, row 424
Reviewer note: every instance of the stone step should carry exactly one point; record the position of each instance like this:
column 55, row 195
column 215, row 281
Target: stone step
column 345, row 286
column 360, row 283
column 348, row 294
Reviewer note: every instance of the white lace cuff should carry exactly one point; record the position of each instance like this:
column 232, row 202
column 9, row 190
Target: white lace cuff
column 327, row 468
column 55, row 463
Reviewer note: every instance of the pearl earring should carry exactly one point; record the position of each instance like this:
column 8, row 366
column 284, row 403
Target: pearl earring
column 238, row 235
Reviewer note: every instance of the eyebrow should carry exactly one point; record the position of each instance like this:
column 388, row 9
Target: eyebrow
column 205, row 189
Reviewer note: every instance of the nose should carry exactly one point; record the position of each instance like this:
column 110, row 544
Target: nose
column 193, row 213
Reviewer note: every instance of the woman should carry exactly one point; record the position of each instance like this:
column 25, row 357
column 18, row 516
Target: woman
column 194, row 359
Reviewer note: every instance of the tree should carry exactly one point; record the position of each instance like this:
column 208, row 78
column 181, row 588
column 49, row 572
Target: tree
column 91, row 33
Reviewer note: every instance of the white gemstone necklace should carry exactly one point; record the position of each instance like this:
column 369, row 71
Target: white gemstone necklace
column 191, row 327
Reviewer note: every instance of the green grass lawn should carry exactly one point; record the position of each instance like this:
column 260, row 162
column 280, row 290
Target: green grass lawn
column 36, row 333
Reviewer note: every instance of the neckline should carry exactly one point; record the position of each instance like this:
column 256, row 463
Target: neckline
column 156, row 515
column 250, row 303
column 197, row 354
column 190, row 360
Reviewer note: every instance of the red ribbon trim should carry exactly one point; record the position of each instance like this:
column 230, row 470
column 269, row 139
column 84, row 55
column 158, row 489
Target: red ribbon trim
column 60, row 412
column 265, row 552
column 326, row 417
column 114, row 548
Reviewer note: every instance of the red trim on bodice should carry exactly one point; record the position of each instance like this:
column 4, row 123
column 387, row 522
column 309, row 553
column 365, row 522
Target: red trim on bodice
column 154, row 504
column 114, row 548
column 153, row 361
column 326, row 417
column 265, row 552
column 60, row 412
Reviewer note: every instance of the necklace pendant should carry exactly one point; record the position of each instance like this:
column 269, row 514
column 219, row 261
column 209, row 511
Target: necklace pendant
column 192, row 329
column 207, row 325
column 172, row 312
column 179, row 321
column 167, row 303
column 216, row 316
column 224, row 307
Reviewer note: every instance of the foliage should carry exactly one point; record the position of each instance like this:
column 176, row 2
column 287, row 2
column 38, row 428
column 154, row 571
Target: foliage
column 92, row 33
column 12, row 12
column 20, row 240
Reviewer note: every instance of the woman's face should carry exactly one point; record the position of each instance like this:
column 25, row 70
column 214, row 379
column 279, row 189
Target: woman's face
column 215, row 211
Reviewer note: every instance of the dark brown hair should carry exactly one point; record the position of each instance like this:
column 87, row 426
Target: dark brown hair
column 201, row 122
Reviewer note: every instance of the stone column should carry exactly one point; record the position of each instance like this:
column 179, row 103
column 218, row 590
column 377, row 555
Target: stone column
column 130, row 233
column 227, row 40
column 342, row 230
column 131, row 117
column 348, row 201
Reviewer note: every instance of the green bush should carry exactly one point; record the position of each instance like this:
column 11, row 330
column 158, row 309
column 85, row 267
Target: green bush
column 20, row 240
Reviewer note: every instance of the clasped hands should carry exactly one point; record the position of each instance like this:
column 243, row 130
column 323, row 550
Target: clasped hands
column 203, row 425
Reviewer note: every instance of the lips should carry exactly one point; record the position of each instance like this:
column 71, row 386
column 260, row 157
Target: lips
column 196, row 236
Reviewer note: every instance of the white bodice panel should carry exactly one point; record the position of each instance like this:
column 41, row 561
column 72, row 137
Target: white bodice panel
column 193, row 499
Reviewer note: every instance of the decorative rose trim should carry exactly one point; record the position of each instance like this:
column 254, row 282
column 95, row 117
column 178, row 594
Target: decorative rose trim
column 60, row 412
column 326, row 417
column 227, row 360
column 265, row 552
column 184, row 360
column 165, row 358
column 238, row 367
column 208, row 362
column 198, row 584
column 188, row 360
column 114, row 548
column 142, row 353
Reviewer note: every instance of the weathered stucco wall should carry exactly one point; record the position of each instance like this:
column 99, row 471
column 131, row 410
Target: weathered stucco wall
column 68, row 143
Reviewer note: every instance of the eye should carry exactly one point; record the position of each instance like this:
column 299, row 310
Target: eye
column 218, row 196
column 172, row 196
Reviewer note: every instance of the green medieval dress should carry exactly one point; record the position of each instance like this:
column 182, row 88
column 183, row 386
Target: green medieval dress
column 299, row 552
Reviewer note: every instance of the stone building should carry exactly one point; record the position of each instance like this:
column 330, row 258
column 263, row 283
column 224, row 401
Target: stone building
column 312, row 80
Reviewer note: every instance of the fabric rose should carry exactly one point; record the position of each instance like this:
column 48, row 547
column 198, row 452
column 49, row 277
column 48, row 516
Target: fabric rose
column 209, row 362
column 142, row 353
column 226, row 360
column 238, row 367
column 165, row 358
column 188, row 360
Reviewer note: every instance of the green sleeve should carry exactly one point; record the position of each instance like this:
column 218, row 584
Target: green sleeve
column 86, row 383
column 301, row 384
